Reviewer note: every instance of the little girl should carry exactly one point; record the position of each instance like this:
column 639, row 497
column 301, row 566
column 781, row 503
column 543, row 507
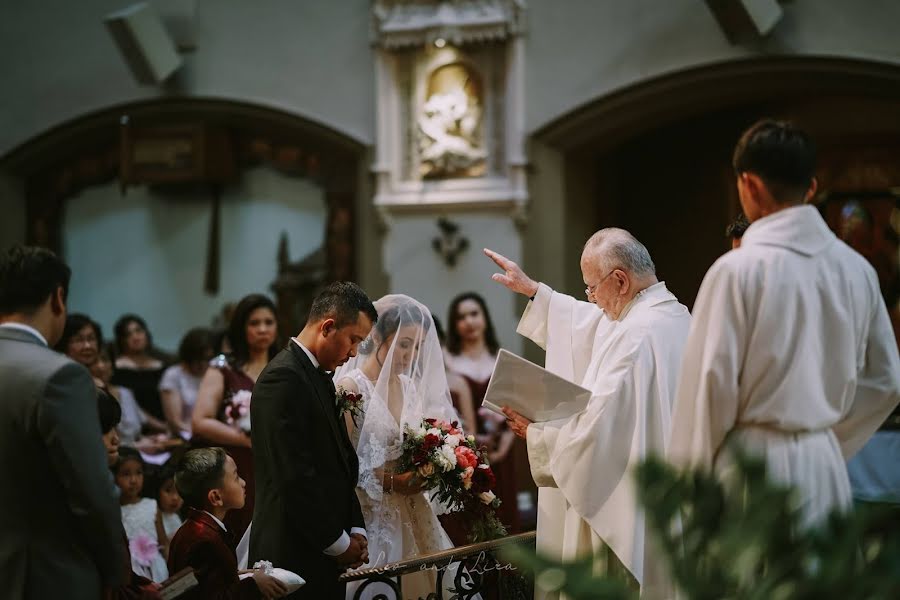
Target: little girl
column 139, row 516
column 168, row 502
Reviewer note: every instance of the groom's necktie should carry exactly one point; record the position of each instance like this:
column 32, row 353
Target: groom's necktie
column 329, row 380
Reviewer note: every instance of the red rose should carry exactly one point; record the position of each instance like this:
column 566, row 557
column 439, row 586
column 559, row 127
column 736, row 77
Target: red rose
column 420, row 456
column 483, row 480
column 431, row 441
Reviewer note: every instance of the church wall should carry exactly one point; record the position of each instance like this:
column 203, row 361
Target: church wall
column 309, row 58
column 12, row 212
column 146, row 252
column 584, row 49
column 417, row 270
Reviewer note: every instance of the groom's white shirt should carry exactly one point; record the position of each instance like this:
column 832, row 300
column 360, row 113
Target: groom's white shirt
column 342, row 543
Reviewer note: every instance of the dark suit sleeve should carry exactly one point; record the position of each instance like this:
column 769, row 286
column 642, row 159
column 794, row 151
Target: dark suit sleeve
column 358, row 520
column 291, row 447
column 68, row 423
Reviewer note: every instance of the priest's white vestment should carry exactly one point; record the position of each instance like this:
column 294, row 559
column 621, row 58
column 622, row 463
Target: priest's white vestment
column 583, row 465
column 791, row 354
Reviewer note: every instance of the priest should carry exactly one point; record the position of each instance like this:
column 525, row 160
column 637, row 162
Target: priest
column 791, row 355
column 625, row 345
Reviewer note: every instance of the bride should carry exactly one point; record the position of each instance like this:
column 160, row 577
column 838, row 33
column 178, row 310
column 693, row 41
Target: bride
column 399, row 372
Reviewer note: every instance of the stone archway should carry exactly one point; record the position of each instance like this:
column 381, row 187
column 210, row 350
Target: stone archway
column 655, row 157
column 87, row 151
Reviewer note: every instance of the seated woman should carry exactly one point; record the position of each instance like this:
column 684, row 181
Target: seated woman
column 81, row 339
column 136, row 367
column 222, row 413
column 181, row 382
column 134, row 421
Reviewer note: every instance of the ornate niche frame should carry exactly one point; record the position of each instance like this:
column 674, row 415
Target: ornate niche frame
column 414, row 40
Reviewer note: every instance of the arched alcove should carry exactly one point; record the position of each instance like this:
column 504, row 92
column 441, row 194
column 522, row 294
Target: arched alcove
column 655, row 157
column 71, row 162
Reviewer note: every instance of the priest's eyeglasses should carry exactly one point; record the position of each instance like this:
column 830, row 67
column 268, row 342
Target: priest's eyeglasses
column 589, row 290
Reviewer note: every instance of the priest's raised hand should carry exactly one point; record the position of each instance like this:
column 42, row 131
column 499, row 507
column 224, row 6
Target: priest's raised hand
column 513, row 276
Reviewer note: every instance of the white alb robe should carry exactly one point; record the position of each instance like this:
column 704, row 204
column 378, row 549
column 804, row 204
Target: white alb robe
column 791, row 354
column 584, row 465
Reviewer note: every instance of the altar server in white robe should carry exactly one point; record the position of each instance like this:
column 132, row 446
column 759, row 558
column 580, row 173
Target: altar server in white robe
column 625, row 345
column 791, row 354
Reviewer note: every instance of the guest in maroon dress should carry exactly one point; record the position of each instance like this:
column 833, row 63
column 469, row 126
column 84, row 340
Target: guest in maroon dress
column 471, row 353
column 225, row 387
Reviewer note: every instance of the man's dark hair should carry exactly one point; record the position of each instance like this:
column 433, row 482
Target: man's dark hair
column 736, row 228
column 198, row 472
column 237, row 327
column 342, row 301
column 28, row 275
column 75, row 322
column 109, row 410
column 783, row 156
column 454, row 341
column 196, row 345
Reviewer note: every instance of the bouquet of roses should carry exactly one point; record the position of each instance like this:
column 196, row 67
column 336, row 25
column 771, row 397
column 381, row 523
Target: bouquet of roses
column 237, row 411
column 456, row 471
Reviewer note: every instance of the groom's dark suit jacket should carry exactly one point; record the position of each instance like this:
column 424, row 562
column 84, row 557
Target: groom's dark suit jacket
column 306, row 471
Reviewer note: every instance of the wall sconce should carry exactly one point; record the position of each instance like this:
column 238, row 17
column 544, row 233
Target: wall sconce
column 450, row 244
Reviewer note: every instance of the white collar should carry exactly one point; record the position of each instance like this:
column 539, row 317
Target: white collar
column 312, row 358
column 214, row 518
column 656, row 286
column 27, row 329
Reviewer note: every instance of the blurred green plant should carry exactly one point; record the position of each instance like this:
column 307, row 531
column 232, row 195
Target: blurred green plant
column 743, row 541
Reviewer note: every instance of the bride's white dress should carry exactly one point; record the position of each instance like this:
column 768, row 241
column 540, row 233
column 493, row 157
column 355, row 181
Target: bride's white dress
column 399, row 526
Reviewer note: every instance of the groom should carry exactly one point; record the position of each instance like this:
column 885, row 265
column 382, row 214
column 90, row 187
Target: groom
column 307, row 518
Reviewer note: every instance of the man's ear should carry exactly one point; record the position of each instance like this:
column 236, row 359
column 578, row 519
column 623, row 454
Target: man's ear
column 624, row 281
column 58, row 301
column 328, row 327
column 214, row 497
column 811, row 192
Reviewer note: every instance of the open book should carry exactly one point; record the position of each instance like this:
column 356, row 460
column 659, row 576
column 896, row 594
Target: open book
column 532, row 391
column 178, row 584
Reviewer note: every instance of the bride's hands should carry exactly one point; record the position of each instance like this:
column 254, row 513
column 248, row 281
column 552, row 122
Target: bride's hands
column 407, row 483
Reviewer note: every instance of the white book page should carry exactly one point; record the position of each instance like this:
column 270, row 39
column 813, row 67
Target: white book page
column 532, row 391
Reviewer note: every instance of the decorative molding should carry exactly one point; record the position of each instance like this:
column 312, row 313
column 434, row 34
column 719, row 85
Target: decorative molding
column 430, row 56
column 405, row 23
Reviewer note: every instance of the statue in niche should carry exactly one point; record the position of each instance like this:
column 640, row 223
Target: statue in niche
column 450, row 138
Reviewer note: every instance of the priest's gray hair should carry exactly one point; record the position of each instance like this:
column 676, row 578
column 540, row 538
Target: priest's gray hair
column 618, row 249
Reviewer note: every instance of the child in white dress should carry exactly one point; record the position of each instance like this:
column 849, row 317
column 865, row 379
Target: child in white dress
column 139, row 517
column 169, row 503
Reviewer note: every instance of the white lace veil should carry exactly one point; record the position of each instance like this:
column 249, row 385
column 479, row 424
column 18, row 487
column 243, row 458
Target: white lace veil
column 411, row 384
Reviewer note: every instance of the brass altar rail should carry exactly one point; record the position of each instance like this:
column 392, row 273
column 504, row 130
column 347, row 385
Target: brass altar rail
column 476, row 574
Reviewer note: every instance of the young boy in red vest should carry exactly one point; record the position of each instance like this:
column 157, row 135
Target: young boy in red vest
column 208, row 480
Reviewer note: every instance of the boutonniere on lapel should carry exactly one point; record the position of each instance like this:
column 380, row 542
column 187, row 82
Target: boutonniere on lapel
column 349, row 402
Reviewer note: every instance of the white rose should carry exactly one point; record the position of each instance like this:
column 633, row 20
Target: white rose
column 449, row 455
column 471, row 438
column 434, row 431
column 487, row 497
column 420, row 432
column 426, row 470
column 452, row 441
column 441, row 461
